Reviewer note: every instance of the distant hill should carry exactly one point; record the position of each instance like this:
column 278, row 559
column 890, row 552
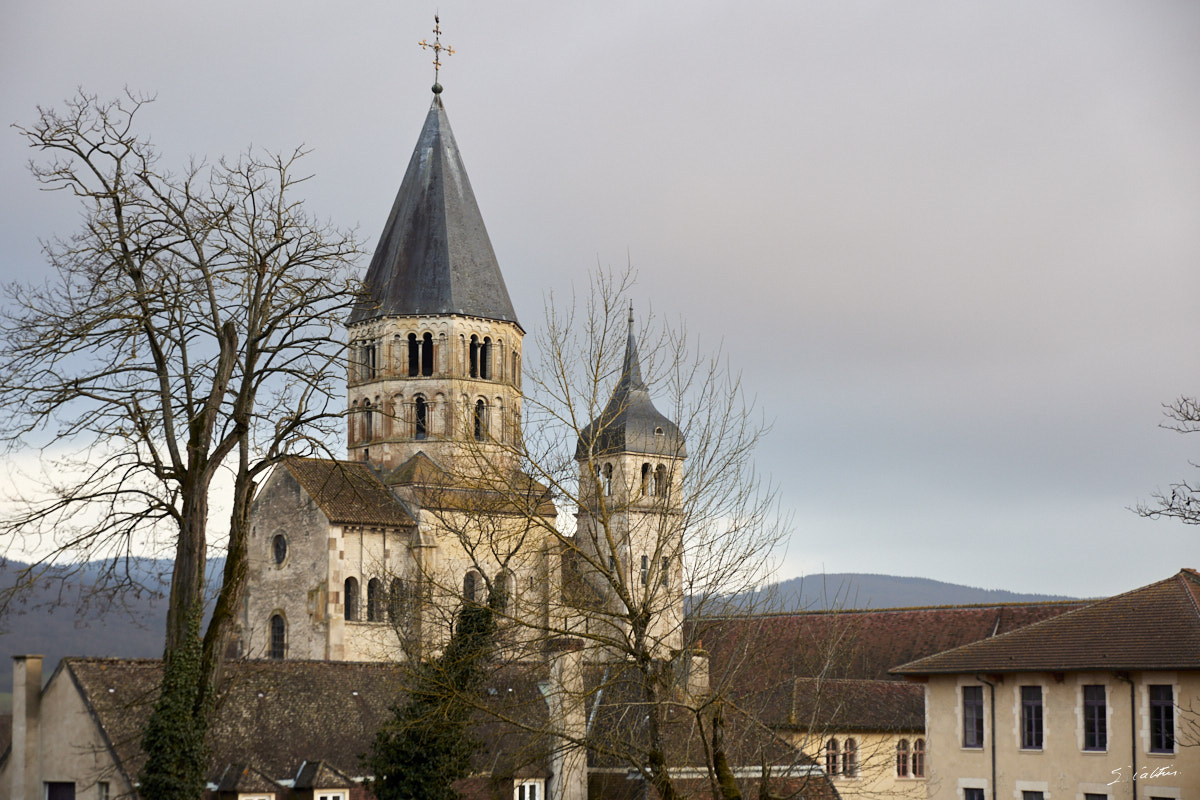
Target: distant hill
column 60, row 617
column 859, row 590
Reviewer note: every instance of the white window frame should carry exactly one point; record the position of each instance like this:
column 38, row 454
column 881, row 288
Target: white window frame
column 539, row 784
column 330, row 794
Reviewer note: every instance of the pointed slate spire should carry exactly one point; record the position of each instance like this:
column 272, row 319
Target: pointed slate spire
column 629, row 422
column 434, row 256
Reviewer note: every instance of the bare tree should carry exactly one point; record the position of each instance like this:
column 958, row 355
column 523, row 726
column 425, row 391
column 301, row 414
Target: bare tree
column 1182, row 501
column 677, row 517
column 191, row 325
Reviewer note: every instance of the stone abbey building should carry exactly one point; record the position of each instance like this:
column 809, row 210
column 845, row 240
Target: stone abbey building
column 368, row 559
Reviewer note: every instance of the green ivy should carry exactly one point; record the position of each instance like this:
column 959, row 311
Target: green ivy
column 176, row 758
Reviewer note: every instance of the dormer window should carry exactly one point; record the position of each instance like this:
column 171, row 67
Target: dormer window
column 659, row 431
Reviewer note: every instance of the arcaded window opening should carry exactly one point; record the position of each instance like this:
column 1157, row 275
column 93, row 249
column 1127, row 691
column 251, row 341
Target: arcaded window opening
column 414, row 356
column 480, row 420
column 421, row 424
column 351, row 588
column 374, row 600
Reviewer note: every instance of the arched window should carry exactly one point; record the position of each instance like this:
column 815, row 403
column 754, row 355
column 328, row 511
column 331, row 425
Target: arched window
column 474, row 373
column 663, row 576
column 351, row 599
column 397, row 601
column 414, row 356
column 279, row 547
column 831, row 757
column 506, row 586
column 480, row 420
column 660, row 481
column 516, row 369
column 422, row 418
column 367, row 425
column 902, row 758
column 427, row 355
column 850, row 759
column 366, row 362
column 645, row 570
column 608, row 472
column 278, row 637
column 918, row 759
column 485, row 359
column 471, row 586
column 645, row 479
column 374, row 600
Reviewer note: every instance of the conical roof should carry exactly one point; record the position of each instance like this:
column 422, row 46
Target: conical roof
column 434, row 256
column 629, row 422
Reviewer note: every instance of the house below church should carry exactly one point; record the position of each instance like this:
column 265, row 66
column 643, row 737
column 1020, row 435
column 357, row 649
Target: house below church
column 1101, row 703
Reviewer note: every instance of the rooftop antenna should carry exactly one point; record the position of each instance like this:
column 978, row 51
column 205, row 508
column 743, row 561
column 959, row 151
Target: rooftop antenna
column 437, row 48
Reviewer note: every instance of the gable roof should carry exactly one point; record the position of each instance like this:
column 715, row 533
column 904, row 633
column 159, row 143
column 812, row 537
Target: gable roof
column 243, row 778
column 349, row 492
column 274, row 715
column 434, row 256
column 830, row 669
column 1154, row 627
column 319, row 775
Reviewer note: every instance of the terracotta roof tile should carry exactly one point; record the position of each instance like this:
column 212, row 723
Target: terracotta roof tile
column 349, row 492
column 1154, row 627
column 768, row 662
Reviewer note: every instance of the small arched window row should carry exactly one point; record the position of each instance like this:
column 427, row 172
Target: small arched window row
column 364, row 366
column 420, row 355
column 841, row 758
column 655, row 480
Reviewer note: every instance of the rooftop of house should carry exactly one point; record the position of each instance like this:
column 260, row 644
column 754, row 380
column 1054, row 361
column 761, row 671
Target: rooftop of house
column 349, row 492
column 1155, row 627
column 830, row 669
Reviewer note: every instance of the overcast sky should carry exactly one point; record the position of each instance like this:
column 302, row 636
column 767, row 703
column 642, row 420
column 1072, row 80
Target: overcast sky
column 954, row 248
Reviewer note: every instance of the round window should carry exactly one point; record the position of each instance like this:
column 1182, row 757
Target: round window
column 280, row 546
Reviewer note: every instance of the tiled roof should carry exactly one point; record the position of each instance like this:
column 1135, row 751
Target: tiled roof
column 768, row 661
column 853, row 705
column 349, row 492
column 619, row 733
column 277, row 714
column 420, row 478
column 243, row 778
column 1154, row 627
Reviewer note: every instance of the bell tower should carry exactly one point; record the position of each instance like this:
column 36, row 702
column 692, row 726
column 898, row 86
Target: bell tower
column 630, row 521
column 435, row 344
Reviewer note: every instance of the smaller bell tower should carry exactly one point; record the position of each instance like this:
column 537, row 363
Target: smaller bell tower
column 630, row 522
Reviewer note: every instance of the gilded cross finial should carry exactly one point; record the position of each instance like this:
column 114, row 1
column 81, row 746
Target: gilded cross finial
column 437, row 48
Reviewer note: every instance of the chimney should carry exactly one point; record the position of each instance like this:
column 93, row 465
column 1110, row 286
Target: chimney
column 695, row 672
column 564, row 697
column 25, row 756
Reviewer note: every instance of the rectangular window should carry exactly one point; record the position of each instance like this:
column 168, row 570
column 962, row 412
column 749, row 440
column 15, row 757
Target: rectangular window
column 1032, row 795
column 1095, row 718
column 973, row 794
column 645, row 569
column 1094, row 796
column 1162, row 719
column 528, row 790
column 666, row 567
column 1031, row 718
column 102, row 792
column 972, row 698
column 60, row 790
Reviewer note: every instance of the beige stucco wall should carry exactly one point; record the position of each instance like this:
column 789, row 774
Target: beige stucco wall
column 875, row 777
column 1062, row 769
column 70, row 745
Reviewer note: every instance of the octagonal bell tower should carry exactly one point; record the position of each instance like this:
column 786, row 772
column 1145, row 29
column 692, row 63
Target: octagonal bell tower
column 435, row 344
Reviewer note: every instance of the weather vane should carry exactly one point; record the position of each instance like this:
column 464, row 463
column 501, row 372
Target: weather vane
column 437, row 48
